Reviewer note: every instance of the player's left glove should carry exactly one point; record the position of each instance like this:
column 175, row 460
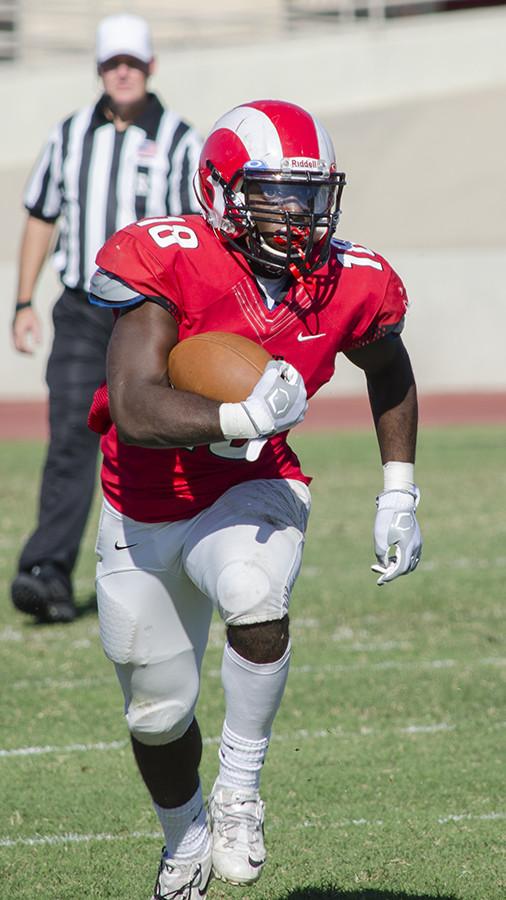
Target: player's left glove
column 396, row 527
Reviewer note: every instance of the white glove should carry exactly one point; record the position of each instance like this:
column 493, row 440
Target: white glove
column 277, row 402
column 396, row 526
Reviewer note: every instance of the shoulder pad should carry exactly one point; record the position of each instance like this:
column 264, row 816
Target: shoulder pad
column 108, row 290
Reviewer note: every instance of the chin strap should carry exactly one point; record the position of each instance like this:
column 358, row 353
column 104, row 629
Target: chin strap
column 298, row 273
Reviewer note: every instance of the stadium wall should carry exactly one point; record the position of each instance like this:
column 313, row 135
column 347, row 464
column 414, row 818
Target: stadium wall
column 416, row 109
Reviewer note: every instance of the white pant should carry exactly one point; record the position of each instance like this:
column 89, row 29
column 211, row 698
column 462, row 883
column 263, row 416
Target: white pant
column 157, row 585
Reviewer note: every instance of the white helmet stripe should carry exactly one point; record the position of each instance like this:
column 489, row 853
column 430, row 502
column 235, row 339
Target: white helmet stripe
column 256, row 131
column 325, row 143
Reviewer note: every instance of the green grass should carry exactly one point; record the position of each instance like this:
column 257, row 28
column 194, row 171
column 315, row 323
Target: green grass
column 385, row 777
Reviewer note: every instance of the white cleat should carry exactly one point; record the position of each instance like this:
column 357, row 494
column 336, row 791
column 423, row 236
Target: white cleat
column 236, row 820
column 183, row 881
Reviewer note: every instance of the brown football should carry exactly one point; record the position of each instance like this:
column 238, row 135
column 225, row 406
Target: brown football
column 217, row 365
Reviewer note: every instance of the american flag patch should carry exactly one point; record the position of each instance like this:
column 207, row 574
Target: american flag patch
column 147, row 149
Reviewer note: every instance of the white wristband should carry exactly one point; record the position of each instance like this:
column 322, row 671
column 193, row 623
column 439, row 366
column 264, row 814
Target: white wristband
column 399, row 476
column 235, row 422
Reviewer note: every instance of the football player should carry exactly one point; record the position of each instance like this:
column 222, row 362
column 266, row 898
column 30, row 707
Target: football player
column 205, row 504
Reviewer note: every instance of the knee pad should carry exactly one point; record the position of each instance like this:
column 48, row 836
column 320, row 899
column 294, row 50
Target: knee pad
column 242, row 587
column 161, row 698
column 156, row 663
column 158, row 723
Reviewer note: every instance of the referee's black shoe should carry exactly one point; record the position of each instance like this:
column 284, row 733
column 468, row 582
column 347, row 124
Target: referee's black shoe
column 44, row 595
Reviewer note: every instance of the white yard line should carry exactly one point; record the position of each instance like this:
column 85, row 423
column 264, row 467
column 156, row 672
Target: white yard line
column 465, row 817
column 67, row 684
column 63, row 839
column 329, row 668
column 73, row 683
column 398, row 664
column 427, row 729
column 67, row 748
column 53, row 839
column 299, row 734
column 10, row 634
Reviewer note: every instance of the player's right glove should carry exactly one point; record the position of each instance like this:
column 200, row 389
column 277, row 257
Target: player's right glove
column 396, row 526
column 277, row 402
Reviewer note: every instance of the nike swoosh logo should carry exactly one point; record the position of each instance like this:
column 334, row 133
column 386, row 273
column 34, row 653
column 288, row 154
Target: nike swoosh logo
column 256, row 863
column 123, row 546
column 310, row 337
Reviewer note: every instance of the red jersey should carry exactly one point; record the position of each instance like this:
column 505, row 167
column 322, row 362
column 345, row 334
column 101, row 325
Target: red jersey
column 178, row 262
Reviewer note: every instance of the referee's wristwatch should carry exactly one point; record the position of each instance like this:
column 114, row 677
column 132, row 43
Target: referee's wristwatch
column 22, row 304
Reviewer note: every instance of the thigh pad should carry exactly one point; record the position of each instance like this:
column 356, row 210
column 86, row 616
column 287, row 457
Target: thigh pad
column 245, row 551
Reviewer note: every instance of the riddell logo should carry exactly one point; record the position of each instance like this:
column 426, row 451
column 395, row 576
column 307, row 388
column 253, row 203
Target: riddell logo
column 302, row 162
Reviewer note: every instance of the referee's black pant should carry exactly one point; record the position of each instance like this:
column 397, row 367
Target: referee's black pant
column 75, row 368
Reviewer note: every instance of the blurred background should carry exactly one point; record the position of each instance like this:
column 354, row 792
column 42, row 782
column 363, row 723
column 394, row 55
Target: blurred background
column 413, row 93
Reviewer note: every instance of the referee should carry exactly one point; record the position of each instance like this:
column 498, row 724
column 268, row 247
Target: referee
column 104, row 166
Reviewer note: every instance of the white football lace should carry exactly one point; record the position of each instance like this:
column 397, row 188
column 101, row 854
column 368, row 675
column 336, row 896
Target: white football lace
column 232, row 817
column 185, row 891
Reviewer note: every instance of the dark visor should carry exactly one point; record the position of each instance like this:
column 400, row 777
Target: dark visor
column 311, row 198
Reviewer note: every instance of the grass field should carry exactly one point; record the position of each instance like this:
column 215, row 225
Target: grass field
column 385, row 778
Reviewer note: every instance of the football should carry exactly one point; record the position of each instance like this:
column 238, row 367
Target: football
column 218, row 365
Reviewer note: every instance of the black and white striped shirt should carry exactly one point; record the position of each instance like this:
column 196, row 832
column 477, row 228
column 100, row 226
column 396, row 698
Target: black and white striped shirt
column 95, row 180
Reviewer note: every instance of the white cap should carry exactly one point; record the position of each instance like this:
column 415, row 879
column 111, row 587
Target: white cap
column 123, row 35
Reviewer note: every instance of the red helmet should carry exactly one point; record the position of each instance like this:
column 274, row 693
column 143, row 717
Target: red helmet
column 267, row 182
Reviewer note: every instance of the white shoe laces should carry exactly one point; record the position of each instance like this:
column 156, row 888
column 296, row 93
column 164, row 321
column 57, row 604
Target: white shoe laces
column 239, row 820
column 184, row 891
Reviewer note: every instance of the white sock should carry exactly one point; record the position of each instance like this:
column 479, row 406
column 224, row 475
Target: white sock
column 185, row 828
column 253, row 693
column 241, row 760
